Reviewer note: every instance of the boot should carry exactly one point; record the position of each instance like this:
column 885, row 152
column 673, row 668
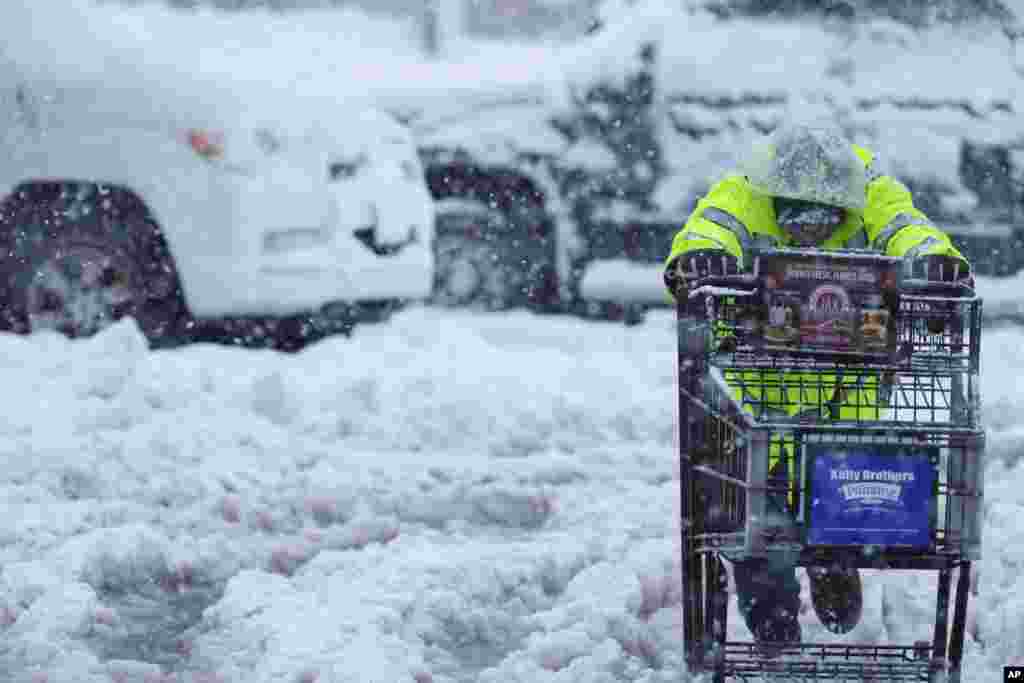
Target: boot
column 773, row 627
column 837, row 596
column 769, row 600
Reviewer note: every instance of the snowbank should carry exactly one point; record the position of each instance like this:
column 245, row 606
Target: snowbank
column 445, row 497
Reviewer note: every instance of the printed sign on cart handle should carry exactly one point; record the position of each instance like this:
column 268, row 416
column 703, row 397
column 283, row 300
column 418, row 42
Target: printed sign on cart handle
column 826, row 304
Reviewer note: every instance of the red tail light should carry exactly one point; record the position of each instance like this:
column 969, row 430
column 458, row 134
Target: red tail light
column 205, row 144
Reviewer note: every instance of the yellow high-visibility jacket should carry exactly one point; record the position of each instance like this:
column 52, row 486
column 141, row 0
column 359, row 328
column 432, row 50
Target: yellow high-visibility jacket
column 735, row 218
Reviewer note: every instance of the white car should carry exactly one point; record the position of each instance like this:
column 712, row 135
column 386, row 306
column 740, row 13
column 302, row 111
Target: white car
column 178, row 207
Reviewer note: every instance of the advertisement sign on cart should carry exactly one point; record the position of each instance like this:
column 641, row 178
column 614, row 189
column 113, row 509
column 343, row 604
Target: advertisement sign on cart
column 830, row 305
column 871, row 495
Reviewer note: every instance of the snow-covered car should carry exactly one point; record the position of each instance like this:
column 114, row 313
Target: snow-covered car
column 191, row 209
column 484, row 152
column 648, row 124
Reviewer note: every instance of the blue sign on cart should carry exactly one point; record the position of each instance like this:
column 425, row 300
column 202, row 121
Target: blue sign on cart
column 871, row 495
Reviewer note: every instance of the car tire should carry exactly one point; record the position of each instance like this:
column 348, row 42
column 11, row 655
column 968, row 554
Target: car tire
column 83, row 256
column 469, row 271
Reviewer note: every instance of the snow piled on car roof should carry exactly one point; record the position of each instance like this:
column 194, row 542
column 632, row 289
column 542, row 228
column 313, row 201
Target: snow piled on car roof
column 344, row 53
column 260, row 59
column 912, row 96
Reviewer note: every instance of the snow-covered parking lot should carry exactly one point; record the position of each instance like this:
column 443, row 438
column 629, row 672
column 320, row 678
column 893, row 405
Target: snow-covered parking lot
column 445, row 497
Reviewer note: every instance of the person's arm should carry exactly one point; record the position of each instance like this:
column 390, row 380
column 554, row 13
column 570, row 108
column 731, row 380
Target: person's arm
column 897, row 228
column 703, row 242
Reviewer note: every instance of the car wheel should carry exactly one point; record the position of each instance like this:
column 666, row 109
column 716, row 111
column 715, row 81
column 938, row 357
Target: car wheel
column 80, row 264
column 79, row 289
column 469, row 270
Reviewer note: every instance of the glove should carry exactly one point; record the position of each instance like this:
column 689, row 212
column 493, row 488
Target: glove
column 940, row 268
column 697, row 264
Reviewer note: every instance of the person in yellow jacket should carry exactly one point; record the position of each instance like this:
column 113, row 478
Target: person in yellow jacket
column 805, row 186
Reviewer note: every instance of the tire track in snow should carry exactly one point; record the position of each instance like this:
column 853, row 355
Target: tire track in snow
column 250, row 515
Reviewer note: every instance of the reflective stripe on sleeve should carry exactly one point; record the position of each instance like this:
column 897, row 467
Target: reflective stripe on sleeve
column 729, row 222
column 899, row 221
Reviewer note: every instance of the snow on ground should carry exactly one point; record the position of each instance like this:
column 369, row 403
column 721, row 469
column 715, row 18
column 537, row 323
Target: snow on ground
column 412, row 501
column 445, row 497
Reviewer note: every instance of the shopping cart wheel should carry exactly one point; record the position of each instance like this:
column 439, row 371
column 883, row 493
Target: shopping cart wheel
column 706, row 601
column 717, row 609
column 693, row 608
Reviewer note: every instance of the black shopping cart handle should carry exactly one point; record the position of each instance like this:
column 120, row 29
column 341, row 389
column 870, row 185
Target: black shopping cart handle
column 946, row 290
column 917, row 287
column 741, row 281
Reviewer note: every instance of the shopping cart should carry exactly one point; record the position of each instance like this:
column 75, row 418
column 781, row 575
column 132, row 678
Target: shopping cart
column 864, row 382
